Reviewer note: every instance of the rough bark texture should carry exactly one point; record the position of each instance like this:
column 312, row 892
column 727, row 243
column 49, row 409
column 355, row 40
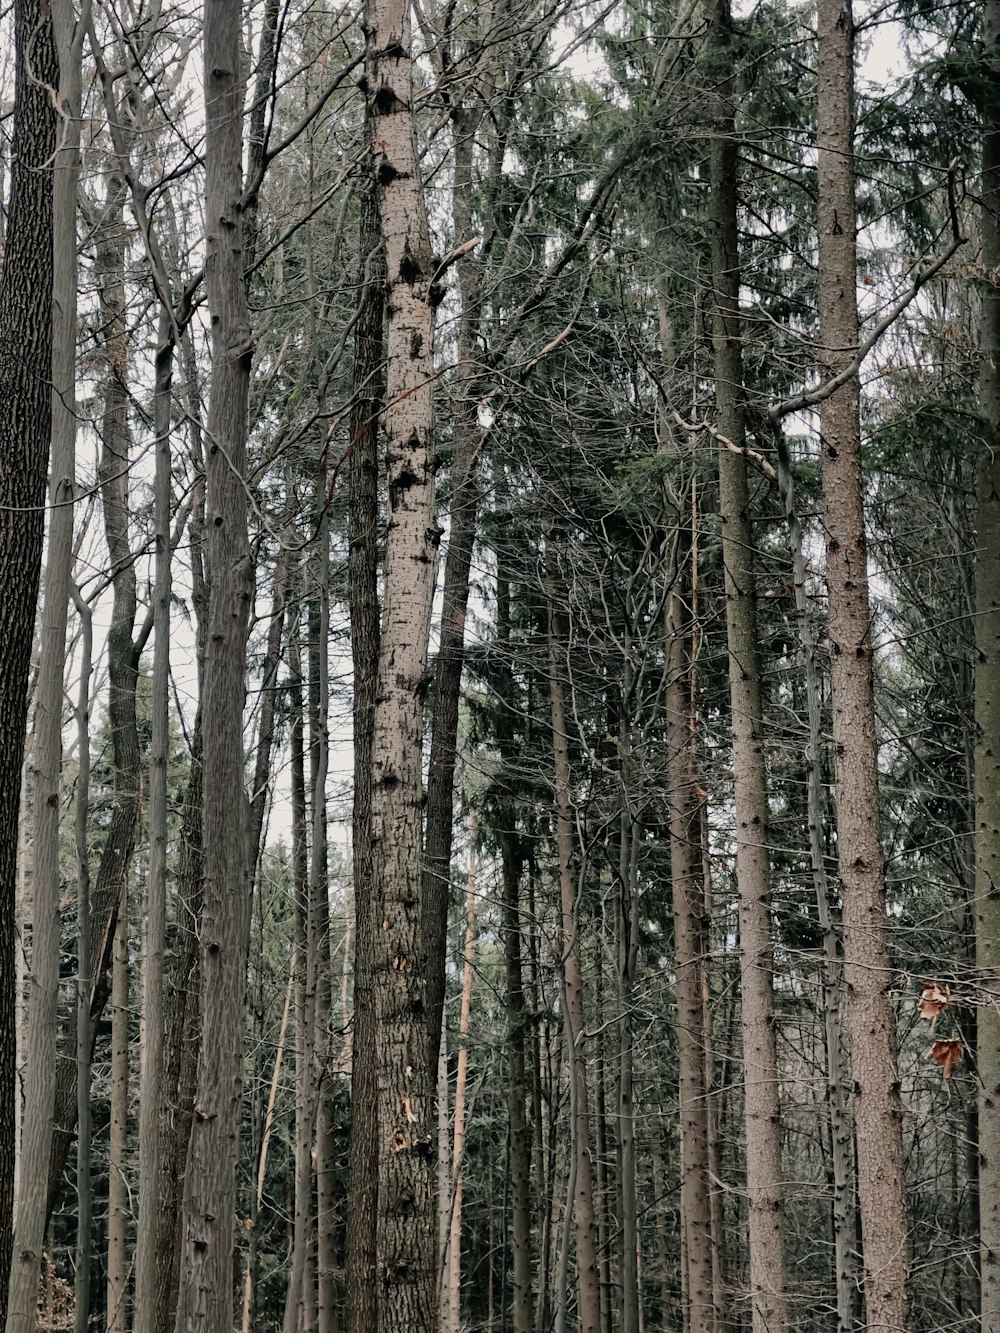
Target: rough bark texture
column 451, row 1320
column 987, row 756
column 762, row 1111
column 405, row 1135
column 40, row 1047
column 364, row 607
column 871, row 1016
column 205, row 1296
column 25, row 417
column 584, row 1229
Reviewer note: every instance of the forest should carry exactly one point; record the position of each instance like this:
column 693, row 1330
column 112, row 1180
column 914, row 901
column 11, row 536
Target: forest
column 500, row 706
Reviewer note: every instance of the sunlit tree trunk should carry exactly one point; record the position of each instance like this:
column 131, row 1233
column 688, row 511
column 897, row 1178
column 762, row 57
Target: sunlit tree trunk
column 871, row 1017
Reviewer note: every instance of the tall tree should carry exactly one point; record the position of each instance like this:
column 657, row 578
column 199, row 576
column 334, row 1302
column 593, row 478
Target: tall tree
column 750, row 797
column 25, row 423
column 205, row 1297
column 405, row 1146
column 871, row 1018
column 987, row 753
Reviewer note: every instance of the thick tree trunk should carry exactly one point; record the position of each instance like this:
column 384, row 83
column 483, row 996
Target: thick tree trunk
column 987, row 757
column 364, row 608
column 40, row 1048
column 405, row 1136
column 205, row 1297
column 25, row 419
column 870, row 1014
column 762, row 1109
column 580, row 1198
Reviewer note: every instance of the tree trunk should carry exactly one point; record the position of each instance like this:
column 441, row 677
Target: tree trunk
column 84, row 1184
column 580, row 1196
column 118, row 1201
column 205, row 1297
column 761, row 1086
column 870, row 1013
column 362, row 534
column 151, row 1072
column 987, row 757
column 452, row 1323
column 405, row 1137
column 440, row 821
column 40, row 1049
column 25, row 419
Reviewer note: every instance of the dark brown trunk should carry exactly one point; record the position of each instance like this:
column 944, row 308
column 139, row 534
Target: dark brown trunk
column 364, row 608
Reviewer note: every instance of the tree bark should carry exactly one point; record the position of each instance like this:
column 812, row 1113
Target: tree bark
column 987, row 696
column 205, row 1297
column 452, row 1322
column 870, row 1014
column 40, row 1048
column 25, row 421
column 362, row 534
column 580, row 1196
column 84, row 1185
column 405, row 1136
column 761, row 1086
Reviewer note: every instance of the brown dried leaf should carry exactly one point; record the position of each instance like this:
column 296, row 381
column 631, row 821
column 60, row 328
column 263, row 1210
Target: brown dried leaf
column 934, row 999
column 946, row 1053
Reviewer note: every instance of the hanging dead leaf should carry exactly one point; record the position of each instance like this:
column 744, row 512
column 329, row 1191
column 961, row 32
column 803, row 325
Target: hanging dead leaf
column 934, row 999
column 946, row 1053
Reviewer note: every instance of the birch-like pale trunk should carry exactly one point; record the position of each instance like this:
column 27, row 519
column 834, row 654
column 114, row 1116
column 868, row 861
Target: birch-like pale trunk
column 405, row 1212
column 871, row 1017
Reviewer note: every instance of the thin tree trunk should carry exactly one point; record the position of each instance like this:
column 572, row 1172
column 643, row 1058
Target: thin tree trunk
column 870, row 1014
column 40, row 1049
column 762, row 1109
column 517, row 1017
column 987, row 756
column 452, row 1323
column 84, row 1184
column 118, row 1203
column 580, row 1197
column 109, row 885
column 439, row 822
column 627, row 932
column 205, row 1296
column 151, row 1072
column 295, row 1317
column 405, row 1137
column 25, row 419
